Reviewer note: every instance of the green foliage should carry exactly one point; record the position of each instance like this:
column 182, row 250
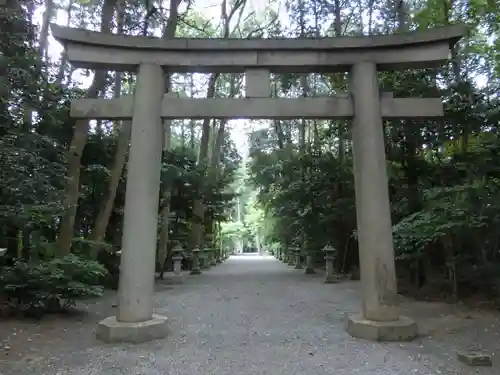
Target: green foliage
column 47, row 286
column 30, row 158
column 443, row 174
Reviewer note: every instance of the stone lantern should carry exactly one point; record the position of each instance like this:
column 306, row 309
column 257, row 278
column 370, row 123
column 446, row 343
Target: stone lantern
column 218, row 253
column 207, row 255
column 195, row 267
column 298, row 263
column 213, row 256
column 330, row 277
column 309, row 270
column 177, row 260
column 212, row 250
column 290, row 255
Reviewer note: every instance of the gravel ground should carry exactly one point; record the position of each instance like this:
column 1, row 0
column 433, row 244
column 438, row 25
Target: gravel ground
column 250, row 316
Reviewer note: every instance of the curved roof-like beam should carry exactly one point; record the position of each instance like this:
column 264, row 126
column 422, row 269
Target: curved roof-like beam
column 448, row 34
column 90, row 49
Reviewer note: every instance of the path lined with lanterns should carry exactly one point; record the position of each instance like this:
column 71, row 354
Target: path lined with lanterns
column 251, row 315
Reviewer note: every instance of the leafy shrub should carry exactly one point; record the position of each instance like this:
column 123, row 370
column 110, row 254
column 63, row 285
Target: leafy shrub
column 456, row 235
column 49, row 286
column 111, row 262
column 88, row 249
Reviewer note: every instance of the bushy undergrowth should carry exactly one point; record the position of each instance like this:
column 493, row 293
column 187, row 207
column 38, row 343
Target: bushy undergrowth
column 36, row 288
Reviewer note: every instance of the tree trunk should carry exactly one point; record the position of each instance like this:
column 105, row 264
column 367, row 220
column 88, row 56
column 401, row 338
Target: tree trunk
column 102, row 220
column 101, row 224
column 195, row 238
column 64, row 57
column 196, row 235
column 77, row 144
column 44, row 31
column 162, row 253
column 74, row 155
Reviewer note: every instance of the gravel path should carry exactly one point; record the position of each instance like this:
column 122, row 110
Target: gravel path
column 249, row 316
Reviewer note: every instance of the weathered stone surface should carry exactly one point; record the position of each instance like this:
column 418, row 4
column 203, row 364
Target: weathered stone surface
column 195, row 268
column 257, row 83
column 137, row 262
column 297, row 258
column 124, row 53
column 213, row 257
column 310, row 258
column 74, row 35
column 403, row 329
column 339, row 106
column 330, row 277
column 177, row 259
column 474, row 358
column 373, row 214
column 205, row 261
column 110, row 330
column 309, row 270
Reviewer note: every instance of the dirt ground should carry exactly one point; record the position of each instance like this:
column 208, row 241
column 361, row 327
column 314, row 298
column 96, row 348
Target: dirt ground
column 27, row 344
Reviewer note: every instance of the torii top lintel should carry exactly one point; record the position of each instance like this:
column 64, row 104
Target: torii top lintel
column 421, row 49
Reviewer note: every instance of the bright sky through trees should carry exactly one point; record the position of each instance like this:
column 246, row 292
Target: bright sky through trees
column 239, row 129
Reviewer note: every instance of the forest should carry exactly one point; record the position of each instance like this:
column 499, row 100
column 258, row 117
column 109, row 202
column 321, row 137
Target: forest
column 260, row 184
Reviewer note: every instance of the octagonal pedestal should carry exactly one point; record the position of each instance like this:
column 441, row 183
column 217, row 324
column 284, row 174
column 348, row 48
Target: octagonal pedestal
column 110, row 330
column 403, row 329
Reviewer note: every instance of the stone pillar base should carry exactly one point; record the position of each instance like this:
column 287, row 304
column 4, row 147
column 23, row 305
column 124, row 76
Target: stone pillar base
column 195, row 271
column 219, row 260
column 309, row 271
column 213, row 262
column 403, row 329
column 332, row 279
column 110, row 330
column 298, row 267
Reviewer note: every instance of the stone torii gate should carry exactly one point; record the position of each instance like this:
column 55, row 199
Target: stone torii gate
column 360, row 56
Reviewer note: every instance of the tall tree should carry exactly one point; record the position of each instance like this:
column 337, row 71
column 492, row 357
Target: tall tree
column 75, row 151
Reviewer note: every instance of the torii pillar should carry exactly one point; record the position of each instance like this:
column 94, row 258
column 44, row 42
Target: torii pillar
column 135, row 320
column 379, row 319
